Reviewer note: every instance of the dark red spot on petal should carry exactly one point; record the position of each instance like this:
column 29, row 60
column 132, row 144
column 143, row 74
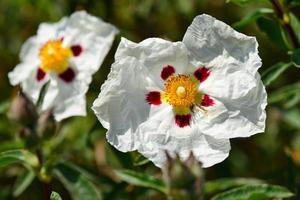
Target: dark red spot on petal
column 153, row 98
column 68, row 75
column 207, row 101
column 167, row 71
column 183, row 120
column 202, row 74
column 61, row 39
column 40, row 75
column 76, row 49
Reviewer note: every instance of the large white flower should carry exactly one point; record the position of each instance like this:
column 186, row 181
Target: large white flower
column 182, row 97
column 67, row 54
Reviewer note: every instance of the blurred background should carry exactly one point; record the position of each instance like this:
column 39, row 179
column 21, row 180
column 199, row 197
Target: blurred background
column 273, row 156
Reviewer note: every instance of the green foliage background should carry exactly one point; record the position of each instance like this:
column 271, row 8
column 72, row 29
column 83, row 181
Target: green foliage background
column 273, row 156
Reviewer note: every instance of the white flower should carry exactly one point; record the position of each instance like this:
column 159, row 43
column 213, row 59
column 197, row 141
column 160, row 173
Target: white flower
column 184, row 96
column 67, row 54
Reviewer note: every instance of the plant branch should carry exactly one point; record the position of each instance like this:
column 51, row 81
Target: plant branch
column 45, row 185
column 280, row 12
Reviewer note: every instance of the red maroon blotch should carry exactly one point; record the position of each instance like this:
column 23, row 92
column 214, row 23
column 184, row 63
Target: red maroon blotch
column 76, row 49
column 40, row 75
column 68, row 75
column 207, row 101
column 202, row 74
column 167, row 72
column 153, row 98
column 183, row 120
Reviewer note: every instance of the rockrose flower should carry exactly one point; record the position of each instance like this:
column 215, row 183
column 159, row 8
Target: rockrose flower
column 66, row 54
column 182, row 97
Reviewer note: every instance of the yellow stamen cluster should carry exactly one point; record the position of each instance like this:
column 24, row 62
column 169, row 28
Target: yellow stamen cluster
column 54, row 57
column 180, row 91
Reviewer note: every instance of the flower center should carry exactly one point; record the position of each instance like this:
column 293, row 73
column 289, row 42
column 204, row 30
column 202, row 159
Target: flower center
column 180, row 91
column 54, row 57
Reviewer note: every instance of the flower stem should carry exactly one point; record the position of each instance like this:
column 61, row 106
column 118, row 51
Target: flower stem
column 280, row 12
column 45, row 185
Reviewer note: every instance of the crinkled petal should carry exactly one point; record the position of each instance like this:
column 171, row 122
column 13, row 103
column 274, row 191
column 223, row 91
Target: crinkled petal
column 242, row 117
column 208, row 38
column 226, row 80
column 94, row 36
column 67, row 98
column 154, row 54
column 160, row 134
column 50, row 31
column 25, row 75
column 121, row 104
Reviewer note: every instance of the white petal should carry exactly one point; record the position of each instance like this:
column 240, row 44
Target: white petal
column 159, row 134
column 25, row 75
column 50, row 31
column 208, row 38
column 93, row 35
column 240, row 117
column 30, row 50
column 67, row 99
column 121, row 105
column 227, row 80
column 154, row 54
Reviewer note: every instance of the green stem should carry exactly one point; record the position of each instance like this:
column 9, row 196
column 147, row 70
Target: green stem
column 45, row 185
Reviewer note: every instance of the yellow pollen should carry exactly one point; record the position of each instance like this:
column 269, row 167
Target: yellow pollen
column 54, row 57
column 180, row 91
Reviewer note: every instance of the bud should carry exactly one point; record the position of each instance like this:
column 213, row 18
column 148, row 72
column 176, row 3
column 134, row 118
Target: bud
column 184, row 179
column 22, row 110
column 46, row 124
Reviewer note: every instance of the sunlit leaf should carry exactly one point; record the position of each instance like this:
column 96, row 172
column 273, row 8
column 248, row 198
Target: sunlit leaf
column 140, row 179
column 55, row 196
column 244, row 2
column 23, row 181
column 257, row 192
column 227, row 183
column 252, row 17
column 18, row 156
column 295, row 23
column 76, row 183
column 140, row 160
column 273, row 72
column 295, row 57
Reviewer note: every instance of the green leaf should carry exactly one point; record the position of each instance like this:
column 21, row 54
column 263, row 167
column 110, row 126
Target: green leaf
column 284, row 93
column 292, row 117
column 274, row 31
column 295, row 57
column 295, row 23
column 55, row 196
column 140, row 160
column 227, row 183
column 140, row 179
column 76, row 183
column 254, row 192
column 18, row 156
column 252, row 17
column 273, row 72
column 23, row 181
column 4, row 106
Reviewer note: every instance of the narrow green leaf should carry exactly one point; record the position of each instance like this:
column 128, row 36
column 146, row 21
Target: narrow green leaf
column 227, row 183
column 252, row 17
column 295, row 57
column 23, row 181
column 140, row 179
column 292, row 117
column 274, row 31
column 244, row 2
column 254, row 192
column 55, row 196
column 76, row 183
column 284, row 93
column 274, row 72
column 140, row 160
column 295, row 23
column 18, row 156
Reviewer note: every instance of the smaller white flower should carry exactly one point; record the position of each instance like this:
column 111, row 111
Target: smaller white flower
column 67, row 54
column 182, row 97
